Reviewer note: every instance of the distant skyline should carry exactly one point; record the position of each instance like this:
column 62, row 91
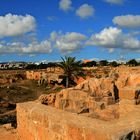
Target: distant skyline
column 37, row 30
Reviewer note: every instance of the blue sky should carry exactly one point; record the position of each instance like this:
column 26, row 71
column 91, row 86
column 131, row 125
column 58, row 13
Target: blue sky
column 38, row 30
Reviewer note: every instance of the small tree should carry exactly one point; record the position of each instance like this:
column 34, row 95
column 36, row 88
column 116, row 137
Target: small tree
column 71, row 67
column 132, row 62
column 31, row 66
column 90, row 64
column 103, row 63
column 113, row 64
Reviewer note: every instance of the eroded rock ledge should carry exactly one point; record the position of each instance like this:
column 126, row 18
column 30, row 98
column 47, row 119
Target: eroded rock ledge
column 41, row 122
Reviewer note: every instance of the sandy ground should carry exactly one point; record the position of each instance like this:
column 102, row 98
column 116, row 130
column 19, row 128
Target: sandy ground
column 7, row 133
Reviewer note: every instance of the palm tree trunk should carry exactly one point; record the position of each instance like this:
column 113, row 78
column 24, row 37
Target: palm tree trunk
column 67, row 82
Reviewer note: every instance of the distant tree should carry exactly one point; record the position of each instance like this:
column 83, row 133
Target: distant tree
column 94, row 63
column 113, row 64
column 132, row 62
column 103, row 63
column 52, row 64
column 42, row 66
column 31, row 66
column 71, row 67
column 90, row 64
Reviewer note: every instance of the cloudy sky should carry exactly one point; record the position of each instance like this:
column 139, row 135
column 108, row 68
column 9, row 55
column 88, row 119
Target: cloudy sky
column 36, row 30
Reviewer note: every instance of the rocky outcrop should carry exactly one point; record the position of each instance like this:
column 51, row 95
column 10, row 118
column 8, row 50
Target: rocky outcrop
column 128, row 92
column 47, row 99
column 92, row 95
column 87, row 95
column 97, row 87
column 134, row 80
column 97, row 97
column 98, row 108
column 37, row 121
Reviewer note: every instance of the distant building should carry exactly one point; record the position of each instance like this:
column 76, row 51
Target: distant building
column 13, row 65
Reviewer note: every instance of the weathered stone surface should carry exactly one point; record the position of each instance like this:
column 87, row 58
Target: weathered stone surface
column 86, row 95
column 37, row 121
column 47, row 99
column 97, row 87
column 128, row 92
column 134, row 80
column 49, row 74
column 108, row 118
column 127, row 76
column 107, row 114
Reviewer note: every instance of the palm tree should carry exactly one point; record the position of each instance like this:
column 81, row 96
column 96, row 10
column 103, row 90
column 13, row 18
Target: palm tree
column 71, row 67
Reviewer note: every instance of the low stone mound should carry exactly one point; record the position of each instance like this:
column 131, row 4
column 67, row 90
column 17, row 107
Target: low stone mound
column 48, row 123
column 96, row 98
column 47, row 99
column 90, row 96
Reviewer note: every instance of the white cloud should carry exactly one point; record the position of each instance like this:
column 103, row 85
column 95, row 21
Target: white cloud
column 85, row 11
column 112, row 38
column 128, row 21
column 13, row 25
column 68, row 42
column 65, row 5
column 118, row 2
column 54, row 36
column 21, row 48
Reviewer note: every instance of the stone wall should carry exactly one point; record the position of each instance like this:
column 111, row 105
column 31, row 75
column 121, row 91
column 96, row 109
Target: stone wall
column 40, row 122
column 128, row 82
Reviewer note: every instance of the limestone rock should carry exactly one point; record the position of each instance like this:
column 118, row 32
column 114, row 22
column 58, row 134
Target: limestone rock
column 87, row 95
column 47, row 99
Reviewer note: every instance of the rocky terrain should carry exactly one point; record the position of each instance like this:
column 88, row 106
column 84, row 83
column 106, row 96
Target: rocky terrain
column 97, row 96
column 111, row 97
column 108, row 98
column 14, row 88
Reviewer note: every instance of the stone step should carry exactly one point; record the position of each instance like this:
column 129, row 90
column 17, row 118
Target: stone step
column 128, row 92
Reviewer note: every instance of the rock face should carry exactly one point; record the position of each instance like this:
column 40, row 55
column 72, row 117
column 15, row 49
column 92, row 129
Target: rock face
column 128, row 92
column 97, row 97
column 96, row 109
column 87, row 95
column 127, row 80
column 92, row 95
column 47, row 99
column 134, row 80
column 37, row 121
column 97, row 87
